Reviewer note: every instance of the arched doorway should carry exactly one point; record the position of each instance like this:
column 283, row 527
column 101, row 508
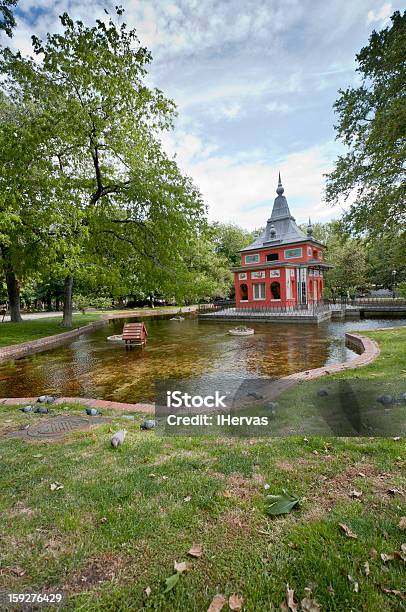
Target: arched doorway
column 243, row 292
column 275, row 290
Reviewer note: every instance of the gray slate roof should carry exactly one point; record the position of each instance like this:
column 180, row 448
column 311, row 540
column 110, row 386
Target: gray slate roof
column 281, row 227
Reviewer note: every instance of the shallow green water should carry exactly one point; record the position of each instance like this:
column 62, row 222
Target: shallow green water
column 90, row 366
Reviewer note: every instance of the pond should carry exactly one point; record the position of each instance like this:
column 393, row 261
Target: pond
column 90, row 366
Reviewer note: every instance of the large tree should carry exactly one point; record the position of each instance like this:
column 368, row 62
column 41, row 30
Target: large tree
column 7, row 21
column 116, row 185
column 372, row 125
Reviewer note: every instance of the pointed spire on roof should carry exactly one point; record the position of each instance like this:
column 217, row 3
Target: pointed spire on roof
column 279, row 189
column 309, row 228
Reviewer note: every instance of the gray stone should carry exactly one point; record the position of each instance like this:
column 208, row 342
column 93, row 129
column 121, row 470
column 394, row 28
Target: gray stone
column 118, row 438
column 148, row 424
column 27, row 409
column 386, row 400
column 322, row 392
column 92, row 411
column 403, row 397
column 41, row 410
column 46, row 399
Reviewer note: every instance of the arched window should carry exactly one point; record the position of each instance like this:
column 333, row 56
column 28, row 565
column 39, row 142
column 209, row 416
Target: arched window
column 243, row 292
column 276, row 290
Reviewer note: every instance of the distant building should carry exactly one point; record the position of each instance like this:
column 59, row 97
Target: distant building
column 283, row 267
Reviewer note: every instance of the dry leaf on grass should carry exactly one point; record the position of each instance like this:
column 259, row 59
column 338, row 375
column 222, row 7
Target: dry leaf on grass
column 196, row 551
column 180, row 567
column 55, row 486
column 356, row 494
column 227, row 493
column 366, row 568
column 402, row 522
column 347, row 531
column 218, row 603
column 17, row 571
column 235, row 602
column 373, row 553
column 147, row 591
column 310, row 605
column 392, row 592
column 290, row 599
column 187, row 498
column 386, row 557
column 355, row 585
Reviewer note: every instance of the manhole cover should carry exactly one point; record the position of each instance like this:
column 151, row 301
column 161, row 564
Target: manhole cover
column 58, row 426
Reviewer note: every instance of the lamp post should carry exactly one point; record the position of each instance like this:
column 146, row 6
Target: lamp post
column 394, row 272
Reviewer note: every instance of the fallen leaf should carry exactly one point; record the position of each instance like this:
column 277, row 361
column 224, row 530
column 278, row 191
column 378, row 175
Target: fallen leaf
column 315, row 452
column 281, row 504
column 171, row 582
column 290, row 599
column 392, row 491
column 196, row 551
column 310, row 605
column 361, row 474
column 355, row 585
column 347, row 531
column 147, row 591
column 235, row 602
column 366, row 568
column 17, row 571
column 402, row 522
column 227, row 493
column 392, row 592
column 165, row 477
column 103, row 519
column 56, row 486
column 386, row 557
column 355, row 493
column 187, row 499
column 180, row 567
column 373, row 553
column 217, row 604
column 38, row 456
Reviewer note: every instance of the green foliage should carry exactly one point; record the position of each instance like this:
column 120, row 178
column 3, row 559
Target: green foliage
column 281, row 504
column 229, row 239
column 7, row 21
column 372, row 125
column 81, row 302
column 401, row 287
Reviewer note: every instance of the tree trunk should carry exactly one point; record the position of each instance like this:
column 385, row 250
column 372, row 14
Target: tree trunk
column 67, row 302
column 13, row 287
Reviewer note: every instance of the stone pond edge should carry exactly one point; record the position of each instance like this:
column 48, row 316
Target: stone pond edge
column 367, row 348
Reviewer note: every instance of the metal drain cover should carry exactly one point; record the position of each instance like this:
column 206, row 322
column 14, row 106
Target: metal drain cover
column 57, row 427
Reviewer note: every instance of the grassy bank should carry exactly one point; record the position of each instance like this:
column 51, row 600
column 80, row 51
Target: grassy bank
column 123, row 517
column 15, row 333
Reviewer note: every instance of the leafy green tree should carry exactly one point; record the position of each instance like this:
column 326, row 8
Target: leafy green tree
column 7, row 21
column 118, row 190
column 229, row 239
column 372, row 125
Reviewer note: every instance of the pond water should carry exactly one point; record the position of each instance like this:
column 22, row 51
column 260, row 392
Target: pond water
column 91, row 366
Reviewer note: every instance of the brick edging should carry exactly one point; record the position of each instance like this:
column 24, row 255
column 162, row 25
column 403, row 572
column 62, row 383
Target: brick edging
column 16, row 351
column 84, row 401
column 369, row 350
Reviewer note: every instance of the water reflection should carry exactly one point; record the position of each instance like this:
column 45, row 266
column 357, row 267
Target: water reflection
column 91, row 366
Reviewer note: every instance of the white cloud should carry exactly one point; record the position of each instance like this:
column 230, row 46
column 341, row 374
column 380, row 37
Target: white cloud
column 278, row 107
column 381, row 16
column 241, row 188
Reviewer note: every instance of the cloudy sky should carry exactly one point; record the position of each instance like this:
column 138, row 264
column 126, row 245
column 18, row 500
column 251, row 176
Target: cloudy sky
column 254, row 82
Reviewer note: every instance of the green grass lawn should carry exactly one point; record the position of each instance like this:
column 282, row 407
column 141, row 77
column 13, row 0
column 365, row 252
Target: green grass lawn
column 15, row 333
column 123, row 517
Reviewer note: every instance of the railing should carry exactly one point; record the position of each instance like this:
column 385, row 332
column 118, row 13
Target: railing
column 230, row 309
column 367, row 301
column 215, row 306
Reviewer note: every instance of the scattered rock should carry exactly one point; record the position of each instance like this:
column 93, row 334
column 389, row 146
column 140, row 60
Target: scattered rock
column 27, row 409
column 148, row 424
column 322, row 392
column 196, row 551
column 386, row 400
column 92, row 411
column 118, row 438
column 41, row 410
column 46, row 399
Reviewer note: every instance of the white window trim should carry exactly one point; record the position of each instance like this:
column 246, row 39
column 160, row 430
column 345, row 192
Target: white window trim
column 258, row 299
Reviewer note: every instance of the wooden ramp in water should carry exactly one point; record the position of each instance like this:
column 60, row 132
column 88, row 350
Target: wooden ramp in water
column 135, row 333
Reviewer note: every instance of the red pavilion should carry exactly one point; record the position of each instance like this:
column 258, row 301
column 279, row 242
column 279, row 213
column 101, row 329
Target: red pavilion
column 283, row 267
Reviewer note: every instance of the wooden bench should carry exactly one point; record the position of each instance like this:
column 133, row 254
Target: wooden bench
column 135, row 333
